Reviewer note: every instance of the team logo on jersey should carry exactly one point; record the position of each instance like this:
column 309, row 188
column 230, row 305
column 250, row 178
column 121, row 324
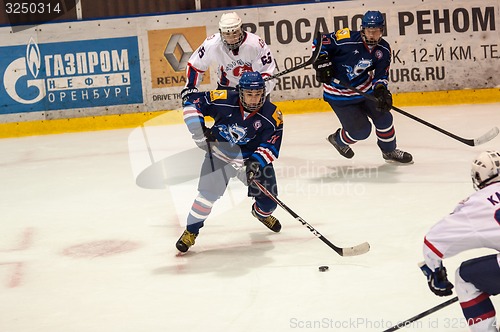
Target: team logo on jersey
column 234, row 134
column 278, row 117
column 358, row 69
column 257, row 124
column 218, row 94
column 378, row 54
column 325, row 40
column 343, row 34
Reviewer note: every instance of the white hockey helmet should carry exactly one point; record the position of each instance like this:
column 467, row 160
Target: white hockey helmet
column 230, row 30
column 485, row 169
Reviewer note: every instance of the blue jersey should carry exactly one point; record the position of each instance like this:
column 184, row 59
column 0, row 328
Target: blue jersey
column 354, row 63
column 239, row 135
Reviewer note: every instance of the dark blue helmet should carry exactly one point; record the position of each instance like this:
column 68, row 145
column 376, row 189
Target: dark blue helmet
column 372, row 19
column 252, row 80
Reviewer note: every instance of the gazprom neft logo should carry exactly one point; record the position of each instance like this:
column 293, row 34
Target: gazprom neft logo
column 67, row 75
column 80, row 71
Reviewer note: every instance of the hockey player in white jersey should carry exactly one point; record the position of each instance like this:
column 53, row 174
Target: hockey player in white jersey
column 234, row 51
column 475, row 223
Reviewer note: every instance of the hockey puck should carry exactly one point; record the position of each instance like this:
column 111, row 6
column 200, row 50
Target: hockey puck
column 323, row 268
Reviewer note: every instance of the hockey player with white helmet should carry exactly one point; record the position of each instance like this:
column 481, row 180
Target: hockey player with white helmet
column 234, row 51
column 475, row 223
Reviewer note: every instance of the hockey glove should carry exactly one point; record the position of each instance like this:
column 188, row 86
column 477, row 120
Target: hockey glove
column 437, row 280
column 185, row 94
column 252, row 169
column 324, row 69
column 384, row 98
column 204, row 137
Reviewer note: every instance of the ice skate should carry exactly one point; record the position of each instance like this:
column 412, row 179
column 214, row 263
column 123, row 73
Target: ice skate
column 186, row 241
column 345, row 151
column 398, row 156
column 271, row 222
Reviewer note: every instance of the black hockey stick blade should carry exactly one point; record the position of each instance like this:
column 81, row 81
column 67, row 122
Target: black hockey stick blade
column 422, row 315
column 349, row 251
column 310, row 61
column 492, row 133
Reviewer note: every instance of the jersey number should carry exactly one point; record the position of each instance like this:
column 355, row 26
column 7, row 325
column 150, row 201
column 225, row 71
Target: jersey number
column 201, row 52
column 266, row 59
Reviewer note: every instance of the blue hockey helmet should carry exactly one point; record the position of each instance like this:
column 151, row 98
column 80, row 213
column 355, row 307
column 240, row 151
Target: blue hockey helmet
column 252, row 80
column 372, row 19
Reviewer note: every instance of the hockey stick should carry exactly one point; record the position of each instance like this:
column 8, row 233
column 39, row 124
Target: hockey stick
column 350, row 251
column 492, row 133
column 421, row 315
column 310, row 61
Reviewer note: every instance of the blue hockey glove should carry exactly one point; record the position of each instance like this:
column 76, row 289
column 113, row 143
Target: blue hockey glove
column 324, row 69
column 384, row 98
column 437, row 280
column 204, row 137
column 185, row 94
column 252, row 169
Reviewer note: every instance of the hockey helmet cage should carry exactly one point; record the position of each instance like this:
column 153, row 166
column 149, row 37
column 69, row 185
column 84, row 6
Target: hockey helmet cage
column 485, row 169
column 252, row 80
column 230, row 30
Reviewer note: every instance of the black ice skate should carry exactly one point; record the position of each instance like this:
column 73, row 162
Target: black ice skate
column 398, row 156
column 271, row 222
column 345, row 151
column 186, row 241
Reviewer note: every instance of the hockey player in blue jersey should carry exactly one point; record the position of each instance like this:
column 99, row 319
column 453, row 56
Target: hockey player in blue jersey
column 361, row 59
column 247, row 133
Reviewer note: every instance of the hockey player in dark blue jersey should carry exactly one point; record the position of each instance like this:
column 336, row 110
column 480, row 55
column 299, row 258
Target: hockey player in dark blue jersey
column 362, row 59
column 247, row 133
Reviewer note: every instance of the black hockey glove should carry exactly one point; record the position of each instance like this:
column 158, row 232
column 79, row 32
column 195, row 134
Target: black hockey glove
column 384, row 98
column 324, row 69
column 204, row 137
column 252, row 169
column 185, row 94
column 437, row 280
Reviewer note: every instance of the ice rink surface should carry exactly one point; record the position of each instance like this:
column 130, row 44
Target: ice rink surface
column 84, row 248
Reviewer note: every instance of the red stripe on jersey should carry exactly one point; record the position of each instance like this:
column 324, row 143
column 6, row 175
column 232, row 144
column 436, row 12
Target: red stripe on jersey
column 195, row 69
column 346, row 92
column 190, row 112
column 481, row 318
column 266, row 153
column 431, row 247
column 475, row 301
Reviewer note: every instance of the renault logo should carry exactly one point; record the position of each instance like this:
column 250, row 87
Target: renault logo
column 186, row 51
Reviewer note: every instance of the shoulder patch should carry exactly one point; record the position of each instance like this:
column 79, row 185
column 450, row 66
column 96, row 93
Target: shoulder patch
column 278, row 117
column 218, row 94
column 343, row 33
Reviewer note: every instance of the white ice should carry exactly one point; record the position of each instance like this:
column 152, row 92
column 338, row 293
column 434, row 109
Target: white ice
column 84, row 248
